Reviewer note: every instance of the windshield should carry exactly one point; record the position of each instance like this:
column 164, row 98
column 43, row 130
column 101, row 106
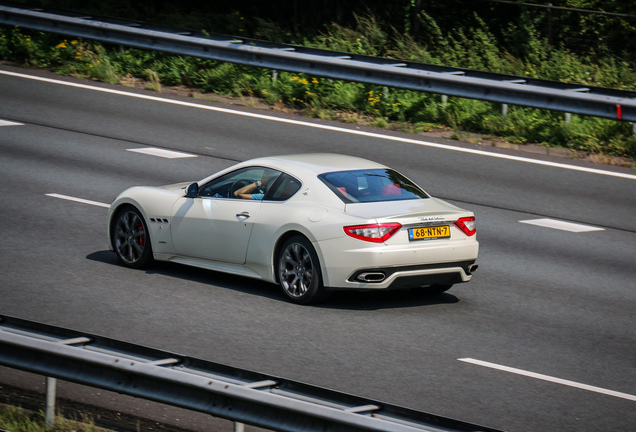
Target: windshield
column 371, row 186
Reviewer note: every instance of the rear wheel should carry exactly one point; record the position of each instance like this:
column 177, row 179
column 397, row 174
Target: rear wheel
column 131, row 239
column 299, row 271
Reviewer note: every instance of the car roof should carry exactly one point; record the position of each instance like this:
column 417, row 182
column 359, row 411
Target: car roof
column 317, row 163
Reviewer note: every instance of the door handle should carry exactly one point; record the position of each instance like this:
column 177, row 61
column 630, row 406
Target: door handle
column 243, row 215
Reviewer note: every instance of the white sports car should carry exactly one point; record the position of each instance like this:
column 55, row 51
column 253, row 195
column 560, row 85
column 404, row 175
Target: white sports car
column 310, row 222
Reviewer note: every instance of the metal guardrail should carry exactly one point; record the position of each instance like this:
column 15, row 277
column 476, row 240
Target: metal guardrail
column 466, row 83
column 222, row 391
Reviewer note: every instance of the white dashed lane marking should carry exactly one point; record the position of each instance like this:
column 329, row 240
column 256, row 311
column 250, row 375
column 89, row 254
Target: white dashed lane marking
column 168, row 154
column 8, row 123
column 561, row 225
column 78, row 200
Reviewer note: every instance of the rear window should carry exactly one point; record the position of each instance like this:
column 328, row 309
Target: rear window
column 371, row 186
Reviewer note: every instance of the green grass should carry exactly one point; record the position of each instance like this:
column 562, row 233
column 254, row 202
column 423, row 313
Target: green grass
column 15, row 419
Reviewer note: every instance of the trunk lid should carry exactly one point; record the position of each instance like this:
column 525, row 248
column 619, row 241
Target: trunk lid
column 407, row 212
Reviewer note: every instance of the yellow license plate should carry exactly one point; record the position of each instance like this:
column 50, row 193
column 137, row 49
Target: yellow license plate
column 429, row 233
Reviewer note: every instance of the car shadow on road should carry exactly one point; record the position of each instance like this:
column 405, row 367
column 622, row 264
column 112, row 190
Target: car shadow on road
column 198, row 275
column 394, row 299
column 103, row 256
column 345, row 300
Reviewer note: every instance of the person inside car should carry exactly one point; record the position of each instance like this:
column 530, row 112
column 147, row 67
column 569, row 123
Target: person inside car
column 255, row 191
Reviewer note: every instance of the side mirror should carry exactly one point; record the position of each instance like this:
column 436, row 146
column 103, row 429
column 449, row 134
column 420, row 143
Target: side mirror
column 193, row 190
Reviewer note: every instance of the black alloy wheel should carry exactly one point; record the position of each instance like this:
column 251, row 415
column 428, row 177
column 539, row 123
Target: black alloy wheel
column 299, row 272
column 131, row 239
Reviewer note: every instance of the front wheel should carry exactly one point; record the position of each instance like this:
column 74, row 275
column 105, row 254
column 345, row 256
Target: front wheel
column 299, row 271
column 131, row 239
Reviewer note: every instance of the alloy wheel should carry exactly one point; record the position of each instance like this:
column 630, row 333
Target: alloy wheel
column 130, row 238
column 296, row 270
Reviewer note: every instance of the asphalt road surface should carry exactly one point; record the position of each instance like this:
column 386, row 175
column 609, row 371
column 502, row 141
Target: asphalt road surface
column 542, row 339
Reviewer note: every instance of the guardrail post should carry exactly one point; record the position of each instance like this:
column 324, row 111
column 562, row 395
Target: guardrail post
column 50, row 402
column 239, row 427
column 504, row 110
column 568, row 117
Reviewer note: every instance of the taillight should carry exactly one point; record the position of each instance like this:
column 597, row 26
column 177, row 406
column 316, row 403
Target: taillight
column 467, row 225
column 376, row 233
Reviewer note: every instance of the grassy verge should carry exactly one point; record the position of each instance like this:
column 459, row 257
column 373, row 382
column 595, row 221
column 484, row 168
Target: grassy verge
column 23, row 410
column 396, row 109
column 15, row 419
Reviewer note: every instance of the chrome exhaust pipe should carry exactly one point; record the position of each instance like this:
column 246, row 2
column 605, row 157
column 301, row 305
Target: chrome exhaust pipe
column 371, row 277
column 472, row 268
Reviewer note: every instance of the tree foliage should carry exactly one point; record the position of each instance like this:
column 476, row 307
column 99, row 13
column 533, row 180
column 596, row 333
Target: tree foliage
column 597, row 28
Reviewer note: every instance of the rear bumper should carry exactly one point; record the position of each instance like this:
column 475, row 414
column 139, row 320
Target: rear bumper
column 414, row 276
column 392, row 267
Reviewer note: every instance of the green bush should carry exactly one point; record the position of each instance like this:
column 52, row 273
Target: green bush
column 21, row 47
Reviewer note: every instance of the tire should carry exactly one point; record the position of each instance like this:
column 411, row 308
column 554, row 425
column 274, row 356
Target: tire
column 299, row 272
column 130, row 238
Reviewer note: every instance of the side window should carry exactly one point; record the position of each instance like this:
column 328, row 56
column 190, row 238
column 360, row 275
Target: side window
column 284, row 188
column 226, row 185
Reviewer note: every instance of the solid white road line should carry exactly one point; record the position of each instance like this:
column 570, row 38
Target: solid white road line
column 8, row 123
column 550, row 379
column 561, row 225
column 79, row 200
column 326, row 127
column 168, row 154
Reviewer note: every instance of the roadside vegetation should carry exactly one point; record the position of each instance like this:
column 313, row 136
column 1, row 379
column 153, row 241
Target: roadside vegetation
column 473, row 44
column 15, row 419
